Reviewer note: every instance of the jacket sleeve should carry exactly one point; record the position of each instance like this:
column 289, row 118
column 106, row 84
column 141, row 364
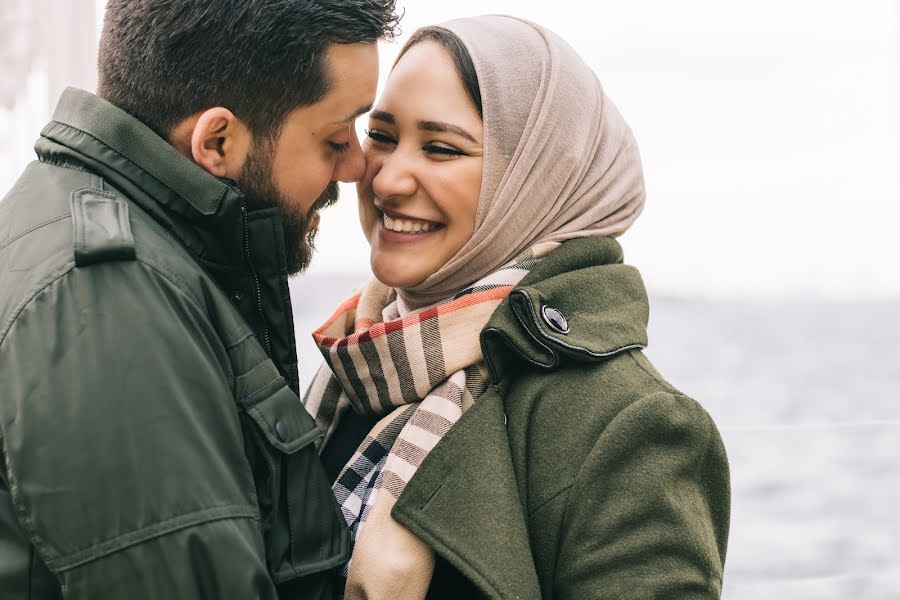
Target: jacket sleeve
column 648, row 514
column 123, row 445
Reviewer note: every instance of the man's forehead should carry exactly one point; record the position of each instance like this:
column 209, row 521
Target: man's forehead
column 353, row 73
column 349, row 118
column 353, row 76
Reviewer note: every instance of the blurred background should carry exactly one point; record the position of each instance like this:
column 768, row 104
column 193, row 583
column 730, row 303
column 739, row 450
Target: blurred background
column 770, row 134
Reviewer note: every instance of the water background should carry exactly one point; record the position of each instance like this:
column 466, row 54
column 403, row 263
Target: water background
column 806, row 394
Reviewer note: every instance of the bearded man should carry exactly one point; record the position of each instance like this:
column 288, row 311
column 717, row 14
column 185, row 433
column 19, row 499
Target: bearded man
column 153, row 442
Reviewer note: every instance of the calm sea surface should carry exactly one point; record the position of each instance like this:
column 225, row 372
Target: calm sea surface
column 807, row 397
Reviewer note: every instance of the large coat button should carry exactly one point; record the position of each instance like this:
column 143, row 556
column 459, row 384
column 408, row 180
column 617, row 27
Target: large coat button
column 555, row 319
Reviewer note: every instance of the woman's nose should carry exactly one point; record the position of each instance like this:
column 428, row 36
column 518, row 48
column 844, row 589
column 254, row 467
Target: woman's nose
column 393, row 176
column 352, row 164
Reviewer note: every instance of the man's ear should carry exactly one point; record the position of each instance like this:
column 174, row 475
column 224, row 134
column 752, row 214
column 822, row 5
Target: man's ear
column 216, row 140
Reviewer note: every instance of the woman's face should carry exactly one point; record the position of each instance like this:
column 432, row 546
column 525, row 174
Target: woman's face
column 418, row 198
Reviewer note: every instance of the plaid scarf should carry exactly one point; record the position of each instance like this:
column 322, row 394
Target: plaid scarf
column 418, row 372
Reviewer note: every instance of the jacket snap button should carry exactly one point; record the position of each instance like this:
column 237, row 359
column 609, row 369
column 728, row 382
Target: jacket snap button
column 281, row 431
column 555, row 319
column 237, row 297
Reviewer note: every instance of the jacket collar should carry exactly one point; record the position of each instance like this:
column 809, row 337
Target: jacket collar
column 243, row 252
column 204, row 212
column 603, row 304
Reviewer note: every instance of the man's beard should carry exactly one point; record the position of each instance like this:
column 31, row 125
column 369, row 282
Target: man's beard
column 258, row 185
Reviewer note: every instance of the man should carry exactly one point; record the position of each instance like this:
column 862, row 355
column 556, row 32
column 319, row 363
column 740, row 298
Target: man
column 153, row 442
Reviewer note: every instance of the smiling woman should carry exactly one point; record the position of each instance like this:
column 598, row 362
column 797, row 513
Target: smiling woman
column 492, row 428
column 424, row 151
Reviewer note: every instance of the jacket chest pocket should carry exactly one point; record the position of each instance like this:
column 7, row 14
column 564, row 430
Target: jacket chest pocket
column 302, row 526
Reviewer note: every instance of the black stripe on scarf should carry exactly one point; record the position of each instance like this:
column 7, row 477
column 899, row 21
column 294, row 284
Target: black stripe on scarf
column 397, row 346
column 376, row 375
column 434, row 355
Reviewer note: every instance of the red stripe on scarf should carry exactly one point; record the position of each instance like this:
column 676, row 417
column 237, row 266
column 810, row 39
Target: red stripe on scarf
column 379, row 329
column 349, row 304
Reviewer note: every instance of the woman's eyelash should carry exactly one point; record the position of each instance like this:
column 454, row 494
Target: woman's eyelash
column 379, row 137
column 443, row 150
column 430, row 148
column 339, row 148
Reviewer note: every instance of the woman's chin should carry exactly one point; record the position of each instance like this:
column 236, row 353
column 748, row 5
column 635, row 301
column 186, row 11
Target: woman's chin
column 395, row 275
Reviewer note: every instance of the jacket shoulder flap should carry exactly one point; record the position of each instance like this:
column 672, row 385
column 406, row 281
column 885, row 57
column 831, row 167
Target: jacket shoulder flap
column 101, row 226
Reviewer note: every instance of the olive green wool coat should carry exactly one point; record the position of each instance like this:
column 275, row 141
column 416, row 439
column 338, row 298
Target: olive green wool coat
column 580, row 473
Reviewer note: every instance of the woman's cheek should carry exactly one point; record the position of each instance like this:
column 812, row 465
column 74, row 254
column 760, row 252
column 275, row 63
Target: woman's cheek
column 374, row 160
column 366, row 207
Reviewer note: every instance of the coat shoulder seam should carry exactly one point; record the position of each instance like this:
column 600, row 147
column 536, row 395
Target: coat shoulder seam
column 6, row 244
column 36, row 291
column 667, row 387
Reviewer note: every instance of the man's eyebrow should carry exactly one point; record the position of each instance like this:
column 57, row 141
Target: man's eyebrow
column 380, row 115
column 446, row 128
column 353, row 116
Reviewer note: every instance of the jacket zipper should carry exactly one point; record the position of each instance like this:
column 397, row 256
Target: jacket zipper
column 259, row 305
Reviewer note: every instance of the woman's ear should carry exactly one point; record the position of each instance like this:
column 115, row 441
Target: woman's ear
column 220, row 142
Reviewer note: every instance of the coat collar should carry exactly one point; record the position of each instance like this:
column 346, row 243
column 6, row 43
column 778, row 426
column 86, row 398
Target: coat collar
column 602, row 301
column 464, row 502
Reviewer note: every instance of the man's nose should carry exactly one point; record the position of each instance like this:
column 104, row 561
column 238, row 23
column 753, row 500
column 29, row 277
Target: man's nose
column 352, row 164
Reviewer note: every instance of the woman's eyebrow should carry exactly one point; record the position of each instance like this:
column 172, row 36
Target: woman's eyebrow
column 446, row 128
column 380, row 115
column 386, row 117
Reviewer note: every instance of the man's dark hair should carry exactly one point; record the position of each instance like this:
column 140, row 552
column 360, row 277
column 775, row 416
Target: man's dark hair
column 164, row 60
column 461, row 58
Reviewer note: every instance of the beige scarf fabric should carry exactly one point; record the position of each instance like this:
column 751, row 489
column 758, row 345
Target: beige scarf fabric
column 418, row 373
column 559, row 160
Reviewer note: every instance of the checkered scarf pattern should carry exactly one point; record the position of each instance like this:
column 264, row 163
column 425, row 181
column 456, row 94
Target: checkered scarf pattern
column 419, row 373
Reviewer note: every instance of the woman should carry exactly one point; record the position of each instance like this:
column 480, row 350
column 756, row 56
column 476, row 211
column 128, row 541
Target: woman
column 491, row 425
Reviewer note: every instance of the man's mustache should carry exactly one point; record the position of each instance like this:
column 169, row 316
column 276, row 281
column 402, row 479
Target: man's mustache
column 326, row 199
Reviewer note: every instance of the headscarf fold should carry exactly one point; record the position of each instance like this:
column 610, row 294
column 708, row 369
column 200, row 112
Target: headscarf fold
column 559, row 160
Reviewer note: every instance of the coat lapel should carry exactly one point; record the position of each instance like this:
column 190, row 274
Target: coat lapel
column 464, row 503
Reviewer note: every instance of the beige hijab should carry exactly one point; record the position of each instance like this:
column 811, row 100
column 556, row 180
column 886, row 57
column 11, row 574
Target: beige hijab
column 559, row 160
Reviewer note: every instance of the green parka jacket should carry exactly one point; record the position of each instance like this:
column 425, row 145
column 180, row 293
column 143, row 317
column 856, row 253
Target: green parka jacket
column 580, row 473
column 154, row 445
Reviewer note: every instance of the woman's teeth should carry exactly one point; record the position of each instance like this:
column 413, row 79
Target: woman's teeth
column 408, row 225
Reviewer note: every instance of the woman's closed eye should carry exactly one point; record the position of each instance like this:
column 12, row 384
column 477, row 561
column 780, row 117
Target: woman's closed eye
column 379, row 137
column 442, row 150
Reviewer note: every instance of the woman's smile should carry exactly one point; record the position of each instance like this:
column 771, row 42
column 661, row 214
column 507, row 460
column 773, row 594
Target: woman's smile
column 397, row 227
column 423, row 150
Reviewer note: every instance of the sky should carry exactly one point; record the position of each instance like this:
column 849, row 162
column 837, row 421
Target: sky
column 769, row 132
